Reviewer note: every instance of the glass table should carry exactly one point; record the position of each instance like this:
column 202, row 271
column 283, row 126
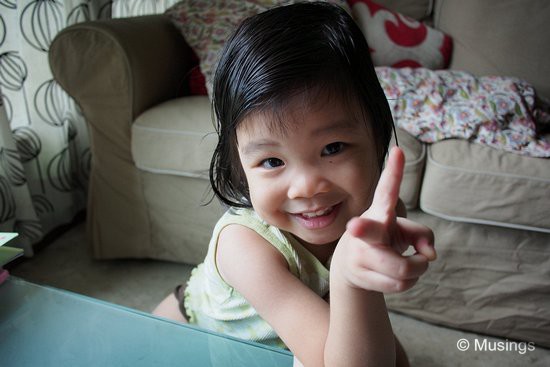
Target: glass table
column 44, row 326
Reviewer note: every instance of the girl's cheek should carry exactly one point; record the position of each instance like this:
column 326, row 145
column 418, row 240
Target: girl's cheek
column 261, row 192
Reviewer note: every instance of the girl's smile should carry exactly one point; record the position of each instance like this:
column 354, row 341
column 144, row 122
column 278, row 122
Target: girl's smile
column 317, row 219
column 315, row 173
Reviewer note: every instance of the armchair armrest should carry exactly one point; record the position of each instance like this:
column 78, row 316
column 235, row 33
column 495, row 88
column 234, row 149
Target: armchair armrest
column 134, row 62
column 115, row 70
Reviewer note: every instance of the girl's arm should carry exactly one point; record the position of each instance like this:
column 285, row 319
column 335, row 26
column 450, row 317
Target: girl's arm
column 260, row 273
column 368, row 260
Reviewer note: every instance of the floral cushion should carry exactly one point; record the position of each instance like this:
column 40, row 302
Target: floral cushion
column 206, row 25
column 501, row 112
column 399, row 41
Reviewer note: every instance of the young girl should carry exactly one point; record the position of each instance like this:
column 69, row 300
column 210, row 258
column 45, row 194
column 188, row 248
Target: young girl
column 304, row 129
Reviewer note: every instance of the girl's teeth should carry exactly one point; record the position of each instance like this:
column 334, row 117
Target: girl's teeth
column 317, row 213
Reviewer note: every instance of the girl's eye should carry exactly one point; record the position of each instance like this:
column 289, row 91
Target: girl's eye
column 271, row 163
column 333, row 148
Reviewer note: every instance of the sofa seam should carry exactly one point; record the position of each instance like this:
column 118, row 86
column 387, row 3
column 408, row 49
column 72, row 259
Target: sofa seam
column 172, row 172
column 481, row 221
column 172, row 131
column 475, row 172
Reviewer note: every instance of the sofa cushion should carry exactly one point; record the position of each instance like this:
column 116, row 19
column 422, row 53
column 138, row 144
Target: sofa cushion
column 399, row 41
column 176, row 137
column 495, row 37
column 473, row 183
column 486, row 279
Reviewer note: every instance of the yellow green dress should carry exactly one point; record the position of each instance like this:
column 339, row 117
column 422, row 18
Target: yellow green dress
column 212, row 304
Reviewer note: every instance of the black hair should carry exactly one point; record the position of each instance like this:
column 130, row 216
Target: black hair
column 273, row 56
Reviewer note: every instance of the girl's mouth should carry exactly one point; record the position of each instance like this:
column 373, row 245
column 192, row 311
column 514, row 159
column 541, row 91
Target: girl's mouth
column 318, row 219
column 318, row 213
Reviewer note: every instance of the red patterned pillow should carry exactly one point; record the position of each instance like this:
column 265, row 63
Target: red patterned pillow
column 399, row 41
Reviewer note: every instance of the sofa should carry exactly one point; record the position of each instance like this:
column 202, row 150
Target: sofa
column 151, row 143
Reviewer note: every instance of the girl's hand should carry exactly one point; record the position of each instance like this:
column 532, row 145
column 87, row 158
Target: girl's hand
column 372, row 246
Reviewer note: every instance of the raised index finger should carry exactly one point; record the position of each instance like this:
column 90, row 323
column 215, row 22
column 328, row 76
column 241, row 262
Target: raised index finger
column 387, row 190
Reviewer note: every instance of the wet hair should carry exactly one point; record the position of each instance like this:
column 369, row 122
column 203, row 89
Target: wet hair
column 281, row 53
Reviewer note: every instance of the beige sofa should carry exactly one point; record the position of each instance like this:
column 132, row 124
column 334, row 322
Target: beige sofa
column 490, row 210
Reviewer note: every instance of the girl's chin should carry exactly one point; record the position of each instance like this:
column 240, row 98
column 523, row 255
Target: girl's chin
column 318, row 240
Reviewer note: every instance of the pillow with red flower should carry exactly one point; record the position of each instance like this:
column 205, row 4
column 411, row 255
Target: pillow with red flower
column 399, row 41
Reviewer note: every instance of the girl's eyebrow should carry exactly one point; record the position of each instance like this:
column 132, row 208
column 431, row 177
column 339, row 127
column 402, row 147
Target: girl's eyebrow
column 338, row 126
column 259, row 146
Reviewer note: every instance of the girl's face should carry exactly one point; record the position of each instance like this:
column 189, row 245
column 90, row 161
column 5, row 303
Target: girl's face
column 310, row 178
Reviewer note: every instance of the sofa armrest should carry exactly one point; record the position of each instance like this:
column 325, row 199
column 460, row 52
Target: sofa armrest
column 134, row 63
column 115, row 70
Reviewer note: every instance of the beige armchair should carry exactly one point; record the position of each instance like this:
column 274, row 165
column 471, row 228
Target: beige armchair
column 116, row 70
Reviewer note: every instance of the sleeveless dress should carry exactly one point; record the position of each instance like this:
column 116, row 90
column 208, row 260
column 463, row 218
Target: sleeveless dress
column 212, row 304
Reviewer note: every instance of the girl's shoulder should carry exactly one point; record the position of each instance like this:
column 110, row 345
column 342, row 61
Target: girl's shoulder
column 247, row 217
column 300, row 261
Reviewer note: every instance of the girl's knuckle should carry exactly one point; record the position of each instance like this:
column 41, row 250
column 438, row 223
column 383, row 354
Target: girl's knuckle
column 399, row 286
column 403, row 270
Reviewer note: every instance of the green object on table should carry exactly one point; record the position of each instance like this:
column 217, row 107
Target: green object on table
column 43, row 326
column 8, row 254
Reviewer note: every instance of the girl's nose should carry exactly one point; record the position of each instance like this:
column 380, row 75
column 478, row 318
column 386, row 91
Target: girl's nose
column 306, row 183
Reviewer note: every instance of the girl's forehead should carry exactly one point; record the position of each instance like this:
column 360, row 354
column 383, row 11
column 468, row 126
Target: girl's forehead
column 293, row 113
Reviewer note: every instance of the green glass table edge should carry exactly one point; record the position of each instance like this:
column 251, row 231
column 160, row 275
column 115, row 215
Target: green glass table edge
column 146, row 314
column 93, row 302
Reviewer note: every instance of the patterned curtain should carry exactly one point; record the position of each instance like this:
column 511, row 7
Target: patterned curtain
column 44, row 150
column 133, row 8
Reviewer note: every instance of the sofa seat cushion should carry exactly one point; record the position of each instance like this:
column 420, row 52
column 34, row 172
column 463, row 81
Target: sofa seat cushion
column 486, row 279
column 473, row 183
column 176, row 137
